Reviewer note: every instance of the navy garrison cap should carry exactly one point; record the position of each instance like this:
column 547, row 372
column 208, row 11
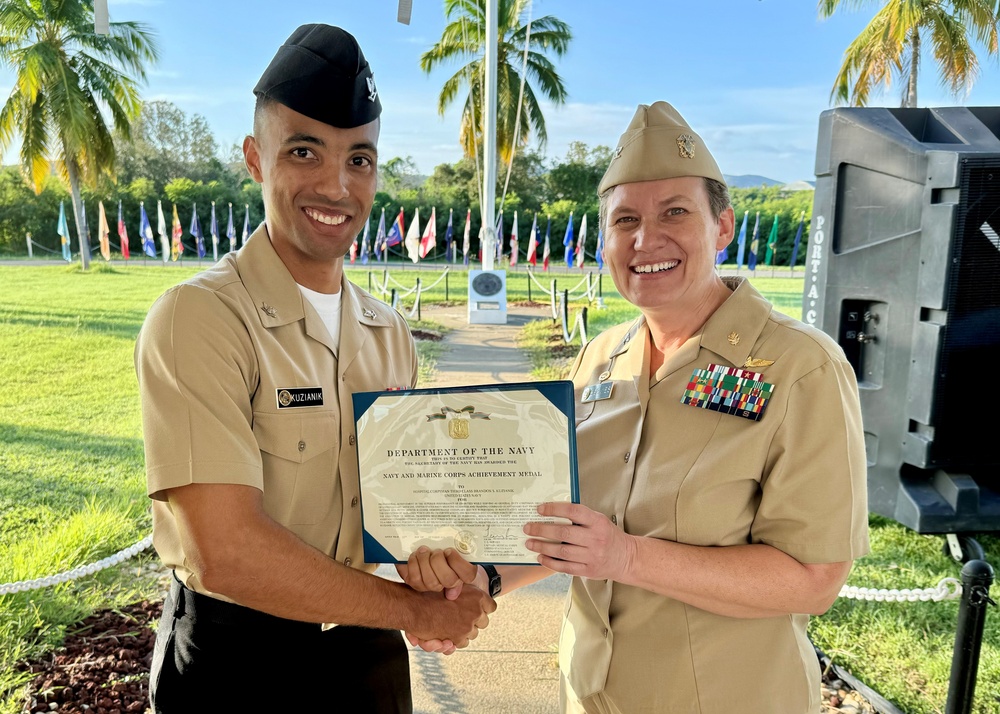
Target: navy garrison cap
column 322, row 73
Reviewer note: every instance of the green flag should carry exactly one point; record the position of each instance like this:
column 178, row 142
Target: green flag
column 772, row 242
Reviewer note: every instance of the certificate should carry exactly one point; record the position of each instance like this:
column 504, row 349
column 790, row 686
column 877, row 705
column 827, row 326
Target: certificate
column 463, row 467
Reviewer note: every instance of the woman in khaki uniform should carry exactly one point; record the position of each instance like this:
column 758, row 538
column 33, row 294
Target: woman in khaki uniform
column 246, row 373
column 722, row 466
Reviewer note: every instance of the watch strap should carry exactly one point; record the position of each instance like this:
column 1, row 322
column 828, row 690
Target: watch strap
column 493, row 577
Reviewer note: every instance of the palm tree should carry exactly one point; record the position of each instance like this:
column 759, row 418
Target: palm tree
column 68, row 79
column 464, row 38
column 892, row 43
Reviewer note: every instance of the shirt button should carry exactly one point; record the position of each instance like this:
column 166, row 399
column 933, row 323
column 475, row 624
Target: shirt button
column 354, row 502
column 347, row 562
column 614, row 519
column 350, row 440
column 628, row 455
column 302, row 446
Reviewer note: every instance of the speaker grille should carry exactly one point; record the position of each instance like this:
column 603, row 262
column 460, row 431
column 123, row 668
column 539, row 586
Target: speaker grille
column 967, row 391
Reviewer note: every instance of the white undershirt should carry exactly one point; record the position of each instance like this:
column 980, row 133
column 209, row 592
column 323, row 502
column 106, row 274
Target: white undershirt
column 328, row 307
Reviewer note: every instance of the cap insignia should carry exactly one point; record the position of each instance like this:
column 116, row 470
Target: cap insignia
column 372, row 92
column 734, row 338
column 685, row 145
column 268, row 310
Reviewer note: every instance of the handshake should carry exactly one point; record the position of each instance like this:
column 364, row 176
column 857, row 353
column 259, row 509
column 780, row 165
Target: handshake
column 586, row 544
column 460, row 587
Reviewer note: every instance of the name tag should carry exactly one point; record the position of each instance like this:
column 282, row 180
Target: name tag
column 307, row 397
column 596, row 392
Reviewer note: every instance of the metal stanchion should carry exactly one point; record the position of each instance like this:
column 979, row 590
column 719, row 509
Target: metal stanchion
column 977, row 576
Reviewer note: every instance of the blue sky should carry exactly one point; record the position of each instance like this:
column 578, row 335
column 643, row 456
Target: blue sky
column 751, row 76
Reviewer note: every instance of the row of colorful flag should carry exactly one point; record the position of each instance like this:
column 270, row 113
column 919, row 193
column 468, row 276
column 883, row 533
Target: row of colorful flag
column 753, row 251
column 419, row 245
column 171, row 244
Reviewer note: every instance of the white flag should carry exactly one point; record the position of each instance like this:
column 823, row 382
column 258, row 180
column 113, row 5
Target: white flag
column 412, row 240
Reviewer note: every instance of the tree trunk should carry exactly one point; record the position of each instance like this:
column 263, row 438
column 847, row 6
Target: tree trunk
column 911, row 89
column 74, row 189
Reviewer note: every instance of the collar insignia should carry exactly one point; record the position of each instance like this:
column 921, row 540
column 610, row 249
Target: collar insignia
column 268, row 310
column 734, row 338
column 369, row 313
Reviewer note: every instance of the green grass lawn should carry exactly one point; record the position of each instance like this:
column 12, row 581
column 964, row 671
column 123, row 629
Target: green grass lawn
column 72, row 483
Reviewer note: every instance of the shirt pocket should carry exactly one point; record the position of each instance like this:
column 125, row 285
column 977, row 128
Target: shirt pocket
column 300, row 459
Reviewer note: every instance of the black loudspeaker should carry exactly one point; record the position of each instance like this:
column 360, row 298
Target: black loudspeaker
column 903, row 270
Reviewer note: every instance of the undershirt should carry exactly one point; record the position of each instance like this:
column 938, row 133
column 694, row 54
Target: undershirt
column 327, row 305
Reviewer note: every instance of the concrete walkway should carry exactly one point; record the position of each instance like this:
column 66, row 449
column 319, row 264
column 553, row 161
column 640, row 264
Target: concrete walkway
column 511, row 668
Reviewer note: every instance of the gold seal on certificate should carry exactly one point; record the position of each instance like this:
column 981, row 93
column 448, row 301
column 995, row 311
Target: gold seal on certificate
column 462, row 467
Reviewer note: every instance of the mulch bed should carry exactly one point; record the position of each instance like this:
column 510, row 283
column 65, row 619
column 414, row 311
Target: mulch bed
column 102, row 667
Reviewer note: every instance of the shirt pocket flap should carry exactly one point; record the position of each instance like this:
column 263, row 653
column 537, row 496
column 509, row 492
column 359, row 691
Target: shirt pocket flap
column 296, row 438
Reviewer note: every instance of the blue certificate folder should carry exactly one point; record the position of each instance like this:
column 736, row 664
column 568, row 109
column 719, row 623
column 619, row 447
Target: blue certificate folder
column 461, row 466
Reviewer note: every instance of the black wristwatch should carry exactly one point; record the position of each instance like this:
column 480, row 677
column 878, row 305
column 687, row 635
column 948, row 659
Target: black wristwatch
column 494, row 579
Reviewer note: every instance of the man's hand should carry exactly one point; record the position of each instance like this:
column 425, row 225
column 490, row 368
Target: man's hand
column 429, row 570
column 452, row 624
column 591, row 546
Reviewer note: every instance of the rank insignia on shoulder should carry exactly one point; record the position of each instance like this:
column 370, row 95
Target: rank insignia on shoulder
column 597, row 392
column 291, row 398
column 729, row 390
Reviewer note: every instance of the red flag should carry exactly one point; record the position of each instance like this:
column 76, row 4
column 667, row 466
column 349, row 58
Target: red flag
column 429, row 239
column 122, row 233
column 176, row 233
column 533, row 242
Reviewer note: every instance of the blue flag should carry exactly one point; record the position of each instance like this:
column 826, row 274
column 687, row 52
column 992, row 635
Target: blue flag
column 722, row 256
column 599, row 252
column 63, row 230
column 741, row 241
column 395, row 235
column 449, row 240
column 199, row 239
column 798, row 237
column 146, row 231
column 752, row 253
column 379, row 244
column 568, row 241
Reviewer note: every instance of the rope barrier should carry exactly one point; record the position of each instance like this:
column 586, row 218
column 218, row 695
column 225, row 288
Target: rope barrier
column 947, row 589
column 531, row 275
column 67, row 575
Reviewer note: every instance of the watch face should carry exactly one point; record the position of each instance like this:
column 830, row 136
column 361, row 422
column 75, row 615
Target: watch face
column 487, row 284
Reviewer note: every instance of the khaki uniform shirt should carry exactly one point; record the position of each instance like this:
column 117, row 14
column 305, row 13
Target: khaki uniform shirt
column 795, row 480
column 240, row 385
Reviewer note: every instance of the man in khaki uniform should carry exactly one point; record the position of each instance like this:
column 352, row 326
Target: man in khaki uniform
column 722, row 465
column 246, row 373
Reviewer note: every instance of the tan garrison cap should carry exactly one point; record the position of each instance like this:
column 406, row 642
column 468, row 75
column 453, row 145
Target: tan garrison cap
column 658, row 144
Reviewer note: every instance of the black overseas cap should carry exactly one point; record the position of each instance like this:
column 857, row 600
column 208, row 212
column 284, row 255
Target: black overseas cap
column 322, row 73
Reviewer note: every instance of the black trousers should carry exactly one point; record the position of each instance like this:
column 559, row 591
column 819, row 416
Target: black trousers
column 216, row 657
